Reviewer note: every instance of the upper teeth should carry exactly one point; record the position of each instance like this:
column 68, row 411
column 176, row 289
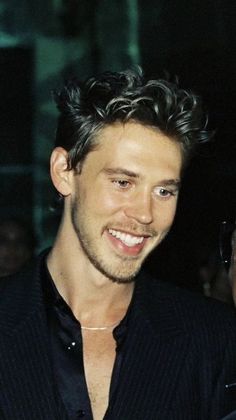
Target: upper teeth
column 126, row 238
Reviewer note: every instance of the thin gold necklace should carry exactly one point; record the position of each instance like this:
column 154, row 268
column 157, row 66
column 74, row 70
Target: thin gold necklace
column 107, row 327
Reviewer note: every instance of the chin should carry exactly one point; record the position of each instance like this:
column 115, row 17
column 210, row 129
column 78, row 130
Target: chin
column 123, row 280
column 121, row 277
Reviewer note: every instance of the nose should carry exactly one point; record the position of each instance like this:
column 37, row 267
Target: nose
column 139, row 208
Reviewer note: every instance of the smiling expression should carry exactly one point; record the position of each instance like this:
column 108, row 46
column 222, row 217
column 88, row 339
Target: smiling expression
column 123, row 202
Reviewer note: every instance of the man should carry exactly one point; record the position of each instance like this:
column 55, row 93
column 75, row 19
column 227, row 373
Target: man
column 85, row 333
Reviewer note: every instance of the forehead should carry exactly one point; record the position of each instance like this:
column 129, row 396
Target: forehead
column 135, row 144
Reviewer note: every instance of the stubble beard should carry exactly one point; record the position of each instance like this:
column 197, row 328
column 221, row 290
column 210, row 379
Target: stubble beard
column 122, row 272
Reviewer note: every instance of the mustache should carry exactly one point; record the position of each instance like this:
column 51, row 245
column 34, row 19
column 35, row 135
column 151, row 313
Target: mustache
column 134, row 229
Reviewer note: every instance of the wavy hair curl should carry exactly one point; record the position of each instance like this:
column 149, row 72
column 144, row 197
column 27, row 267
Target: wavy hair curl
column 87, row 107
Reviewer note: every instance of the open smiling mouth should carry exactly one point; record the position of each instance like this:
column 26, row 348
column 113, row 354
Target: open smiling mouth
column 126, row 238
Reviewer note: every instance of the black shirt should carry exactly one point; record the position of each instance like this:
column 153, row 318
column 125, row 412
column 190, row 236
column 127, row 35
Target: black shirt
column 67, row 352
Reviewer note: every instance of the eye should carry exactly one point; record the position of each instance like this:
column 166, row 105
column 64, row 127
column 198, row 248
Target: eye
column 164, row 193
column 121, row 183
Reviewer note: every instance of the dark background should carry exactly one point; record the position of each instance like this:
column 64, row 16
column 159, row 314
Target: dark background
column 194, row 40
column 197, row 43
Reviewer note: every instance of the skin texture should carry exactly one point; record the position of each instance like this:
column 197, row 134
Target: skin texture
column 116, row 211
column 128, row 185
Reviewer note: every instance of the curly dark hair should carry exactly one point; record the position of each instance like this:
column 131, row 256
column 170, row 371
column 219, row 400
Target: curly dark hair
column 87, row 107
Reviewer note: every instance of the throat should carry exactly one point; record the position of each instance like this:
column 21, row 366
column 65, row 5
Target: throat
column 99, row 359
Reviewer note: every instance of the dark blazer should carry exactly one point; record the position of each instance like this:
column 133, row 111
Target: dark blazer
column 180, row 353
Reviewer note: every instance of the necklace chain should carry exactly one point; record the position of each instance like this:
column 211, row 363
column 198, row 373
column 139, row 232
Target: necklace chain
column 107, row 327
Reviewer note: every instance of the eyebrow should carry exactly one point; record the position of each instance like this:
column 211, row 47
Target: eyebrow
column 122, row 171
column 175, row 182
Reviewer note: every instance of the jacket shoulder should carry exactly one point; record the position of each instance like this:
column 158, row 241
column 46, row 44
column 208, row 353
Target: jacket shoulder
column 20, row 296
column 191, row 310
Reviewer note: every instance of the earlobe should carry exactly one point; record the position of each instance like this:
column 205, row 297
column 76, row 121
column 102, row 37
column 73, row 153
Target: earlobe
column 59, row 171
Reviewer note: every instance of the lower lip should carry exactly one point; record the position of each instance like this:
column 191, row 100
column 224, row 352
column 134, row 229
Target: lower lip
column 127, row 250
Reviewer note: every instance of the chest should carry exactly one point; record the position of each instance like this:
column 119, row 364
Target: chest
column 99, row 356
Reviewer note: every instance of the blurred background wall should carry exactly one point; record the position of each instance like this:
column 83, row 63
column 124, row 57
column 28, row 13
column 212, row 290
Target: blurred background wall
column 43, row 42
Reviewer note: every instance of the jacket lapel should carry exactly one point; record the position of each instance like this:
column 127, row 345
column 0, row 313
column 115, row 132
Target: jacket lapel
column 155, row 352
column 26, row 375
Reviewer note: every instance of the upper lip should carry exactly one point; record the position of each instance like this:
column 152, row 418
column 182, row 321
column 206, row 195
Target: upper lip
column 135, row 234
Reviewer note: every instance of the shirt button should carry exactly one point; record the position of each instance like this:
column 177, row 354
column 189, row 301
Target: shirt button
column 81, row 413
column 72, row 345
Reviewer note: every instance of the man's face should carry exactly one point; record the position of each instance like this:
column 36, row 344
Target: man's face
column 123, row 202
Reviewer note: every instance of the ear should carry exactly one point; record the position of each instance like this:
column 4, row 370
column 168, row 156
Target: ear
column 59, row 172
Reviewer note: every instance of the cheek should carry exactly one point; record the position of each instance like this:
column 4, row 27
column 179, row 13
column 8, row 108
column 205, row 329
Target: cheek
column 164, row 214
column 108, row 203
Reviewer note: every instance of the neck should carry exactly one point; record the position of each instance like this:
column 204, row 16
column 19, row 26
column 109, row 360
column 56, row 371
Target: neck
column 104, row 328
column 93, row 298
